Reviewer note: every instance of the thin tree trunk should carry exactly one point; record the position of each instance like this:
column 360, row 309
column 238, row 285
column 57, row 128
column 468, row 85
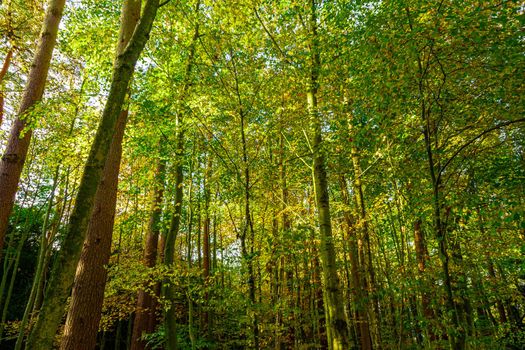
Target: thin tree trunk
column 40, row 267
column 422, row 257
column 170, row 316
column 7, row 63
column 206, row 243
column 336, row 324
column 366, row 253
column 359, row 291
column 145, row 310
column 65, row 265
column 14, row 272
column 456, row 335
column 12, row 161
column 3, row 72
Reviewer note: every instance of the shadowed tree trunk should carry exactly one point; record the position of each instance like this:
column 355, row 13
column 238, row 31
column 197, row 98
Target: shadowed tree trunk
column 422, row 257
column 168, row 289
column 365, row 252
column 206, row 241
column 12, row 161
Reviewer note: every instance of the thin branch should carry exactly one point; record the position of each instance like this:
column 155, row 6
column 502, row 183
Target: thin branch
column 272, row 38
column 468, row 143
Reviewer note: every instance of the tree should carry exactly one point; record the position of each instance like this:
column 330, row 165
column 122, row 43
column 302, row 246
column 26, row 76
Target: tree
column 14, row 157
column 64, row 267
column 88, row 289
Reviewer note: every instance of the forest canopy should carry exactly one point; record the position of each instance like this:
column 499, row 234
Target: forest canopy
column 260, row 174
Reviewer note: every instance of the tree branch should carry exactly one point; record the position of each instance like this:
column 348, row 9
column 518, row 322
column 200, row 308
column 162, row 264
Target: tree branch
column 468, row 143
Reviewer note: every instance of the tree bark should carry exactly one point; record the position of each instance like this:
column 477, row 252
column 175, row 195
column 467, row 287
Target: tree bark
column 66, row 262
column 12, row 161
column 90, row 280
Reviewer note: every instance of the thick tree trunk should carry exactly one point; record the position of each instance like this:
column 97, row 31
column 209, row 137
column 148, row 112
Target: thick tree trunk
column 90, row 280
column 66, row 262
column 12, row 161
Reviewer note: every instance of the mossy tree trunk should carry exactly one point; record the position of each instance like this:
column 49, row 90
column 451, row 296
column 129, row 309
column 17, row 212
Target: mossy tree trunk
column 63, row 271
column 90, row 280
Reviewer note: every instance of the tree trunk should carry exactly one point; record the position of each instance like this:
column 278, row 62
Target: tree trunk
column 88, row 290
column 359, row 290
column 336, row 325
column 145, row 311
column 369, row 280
column 170, row 316
column 422, row 257
column 169, row 250
column 7, row 63
column 66, row 262
column 206, row 242
column 3, row 72
column 90, row 280
column 12, row 161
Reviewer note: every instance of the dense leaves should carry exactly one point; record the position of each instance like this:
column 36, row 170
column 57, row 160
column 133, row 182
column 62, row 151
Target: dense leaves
column 421, row 110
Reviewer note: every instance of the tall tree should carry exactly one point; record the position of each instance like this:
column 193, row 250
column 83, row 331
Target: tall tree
column 65, row 264
column 145, row 313
column 88, row 289
column 170, row 317
column 12, row 161
column 336, row 324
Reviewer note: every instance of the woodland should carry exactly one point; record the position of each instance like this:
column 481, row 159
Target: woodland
column 262, row 174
